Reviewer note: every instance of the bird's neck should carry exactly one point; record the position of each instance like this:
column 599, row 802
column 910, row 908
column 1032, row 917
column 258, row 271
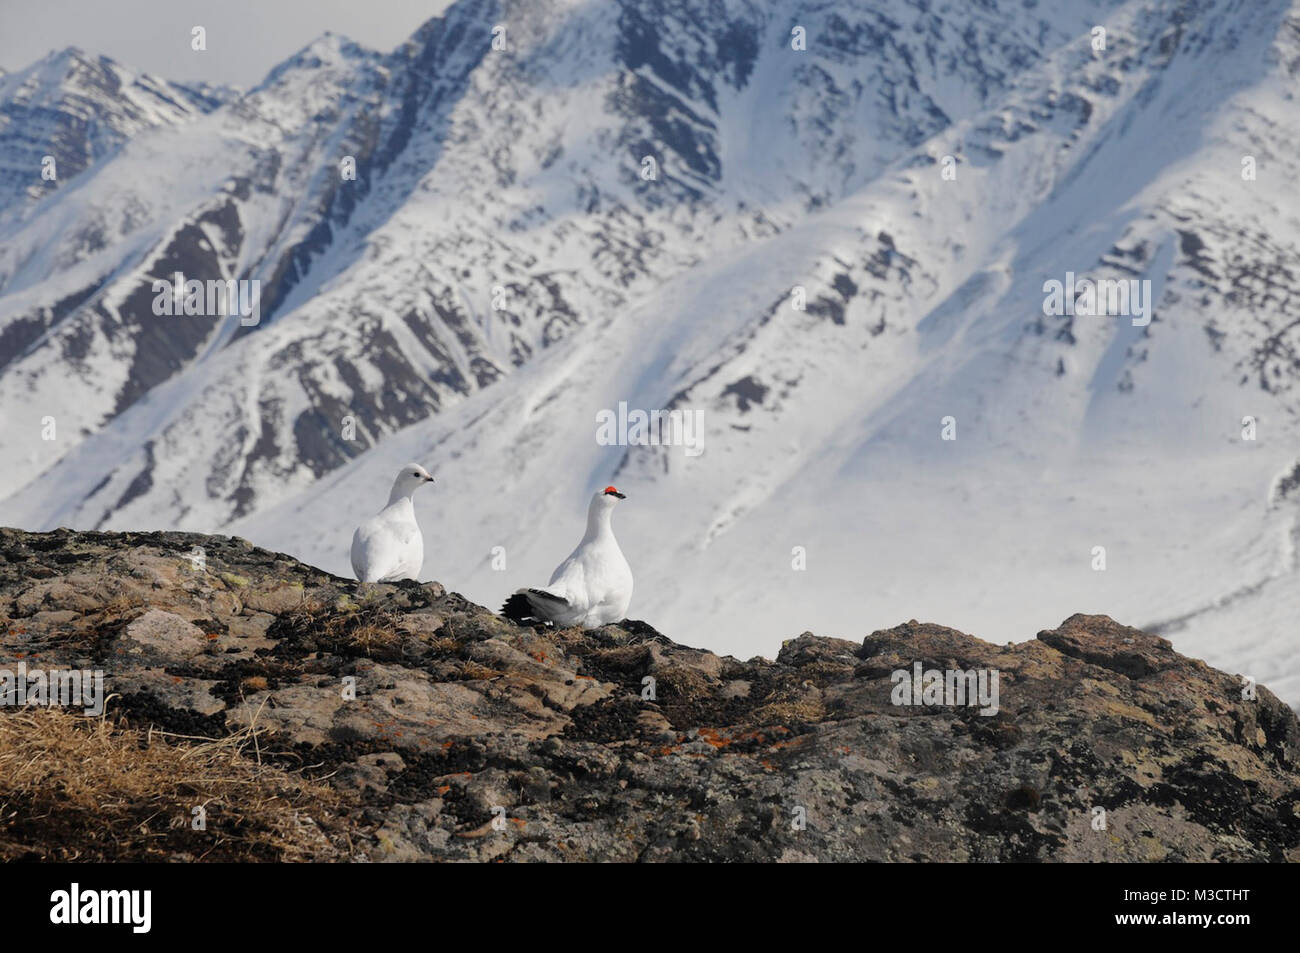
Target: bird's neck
column 398, row 495
column 598, row 525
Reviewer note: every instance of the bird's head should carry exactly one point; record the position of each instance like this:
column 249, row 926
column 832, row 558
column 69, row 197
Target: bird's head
column 410, row 478
column 607, row 497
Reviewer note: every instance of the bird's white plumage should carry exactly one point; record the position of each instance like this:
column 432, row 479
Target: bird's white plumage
column 389, row 545
column 593, row 587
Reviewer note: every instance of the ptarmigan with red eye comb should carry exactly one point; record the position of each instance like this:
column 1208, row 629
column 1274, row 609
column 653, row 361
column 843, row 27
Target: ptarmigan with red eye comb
column 592, row 587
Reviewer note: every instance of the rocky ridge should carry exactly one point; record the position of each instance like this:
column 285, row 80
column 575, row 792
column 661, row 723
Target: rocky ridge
column 472, row 739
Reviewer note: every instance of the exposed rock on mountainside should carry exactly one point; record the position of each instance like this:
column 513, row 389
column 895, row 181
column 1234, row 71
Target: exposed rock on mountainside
column 461, row 719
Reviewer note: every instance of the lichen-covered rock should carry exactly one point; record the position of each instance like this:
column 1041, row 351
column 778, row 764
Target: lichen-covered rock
column 451, row 734
column 162, row 635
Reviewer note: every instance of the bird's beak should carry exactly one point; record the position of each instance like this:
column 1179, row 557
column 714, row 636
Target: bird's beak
column 621, row 496
column 428, row 479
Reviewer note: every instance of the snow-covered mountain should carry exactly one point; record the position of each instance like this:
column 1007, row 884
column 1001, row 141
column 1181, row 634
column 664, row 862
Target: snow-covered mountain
column 77, row 109
column 825, row 228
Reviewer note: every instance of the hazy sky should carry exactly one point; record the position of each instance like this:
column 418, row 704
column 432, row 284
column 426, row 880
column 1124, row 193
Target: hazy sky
column 245, row 37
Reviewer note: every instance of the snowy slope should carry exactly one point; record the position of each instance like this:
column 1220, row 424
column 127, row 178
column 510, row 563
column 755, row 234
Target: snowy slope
column 513, row 177
column 478, row 170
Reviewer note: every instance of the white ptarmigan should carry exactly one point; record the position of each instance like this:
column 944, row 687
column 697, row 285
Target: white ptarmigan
column 592, row 587
column 389, row 546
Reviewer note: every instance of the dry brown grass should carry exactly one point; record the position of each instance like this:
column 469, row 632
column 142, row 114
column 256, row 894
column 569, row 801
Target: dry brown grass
column 802, row 710
column 77, row 788
column 356, row 631
column 473, row 671
column 443, row 646
column 375, row 640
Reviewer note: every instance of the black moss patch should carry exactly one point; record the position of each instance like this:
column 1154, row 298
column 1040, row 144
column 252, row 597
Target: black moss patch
column 1013, row 837
column 144, row 709
column 419, row 781
column 1026, row 797
column 1213, row 796
column 230, row 679
column 319, row 761
column 610, row 719
column 997, row 731
column 688, row 710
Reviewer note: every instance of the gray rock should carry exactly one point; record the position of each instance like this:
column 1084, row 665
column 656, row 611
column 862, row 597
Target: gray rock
column 428, row 713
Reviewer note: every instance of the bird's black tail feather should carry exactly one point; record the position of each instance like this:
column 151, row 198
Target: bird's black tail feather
column 518, row 609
